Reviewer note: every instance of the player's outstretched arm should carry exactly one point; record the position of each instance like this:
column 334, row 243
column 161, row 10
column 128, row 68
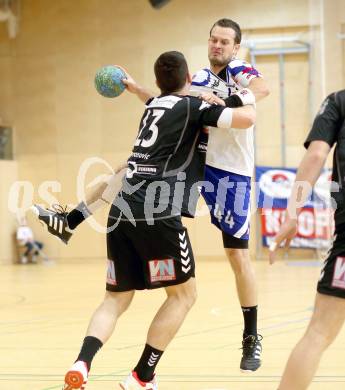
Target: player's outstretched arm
column 133, row 87
column 308, row 172
column 239, row 118
column 243, row 117
column 238, row 99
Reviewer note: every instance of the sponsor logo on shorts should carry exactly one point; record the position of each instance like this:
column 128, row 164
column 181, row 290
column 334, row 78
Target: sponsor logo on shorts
column 162, row 270
column 339, row 273
column 185, row 258
column 111, row 276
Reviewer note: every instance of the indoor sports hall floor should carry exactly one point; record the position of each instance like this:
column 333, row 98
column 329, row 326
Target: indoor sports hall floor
column 45, row 311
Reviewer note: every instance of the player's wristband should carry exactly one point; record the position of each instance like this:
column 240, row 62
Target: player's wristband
column 233, row 101
column 246, row 96
column 225, row 119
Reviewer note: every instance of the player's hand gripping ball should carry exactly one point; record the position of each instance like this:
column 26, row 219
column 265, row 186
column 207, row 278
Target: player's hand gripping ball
column 108, row 81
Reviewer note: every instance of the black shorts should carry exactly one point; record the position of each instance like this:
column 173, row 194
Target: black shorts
column 231, row 242
column 332, row 279
column 148, row 256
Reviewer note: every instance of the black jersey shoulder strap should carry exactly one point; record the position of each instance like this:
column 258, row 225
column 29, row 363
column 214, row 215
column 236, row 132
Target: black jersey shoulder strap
column 339, row 98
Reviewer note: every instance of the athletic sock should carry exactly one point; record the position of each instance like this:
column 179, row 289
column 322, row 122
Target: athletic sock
column 250, row 316
column 147, row 364
column 76, row 216
column 90, row 347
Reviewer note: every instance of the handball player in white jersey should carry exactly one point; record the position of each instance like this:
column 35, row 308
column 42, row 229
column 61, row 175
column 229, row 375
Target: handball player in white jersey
column 229, row 168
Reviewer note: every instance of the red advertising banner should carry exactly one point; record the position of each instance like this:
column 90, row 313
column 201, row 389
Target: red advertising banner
column 314, row 230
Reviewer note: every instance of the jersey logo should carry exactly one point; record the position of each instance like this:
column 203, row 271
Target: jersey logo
column 339, row 273
column 142, row 169
column 162, row 270
column 215, row 83
column 164, row 102
column 185, row 258
column 202, row 147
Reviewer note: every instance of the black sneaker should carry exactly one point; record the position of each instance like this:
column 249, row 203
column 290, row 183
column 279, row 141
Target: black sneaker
column 55, row 220
column 251, row 353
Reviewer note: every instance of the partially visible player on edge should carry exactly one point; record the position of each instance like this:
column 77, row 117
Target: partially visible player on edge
column 148, row 247
column 329, row 310
column 230, row 165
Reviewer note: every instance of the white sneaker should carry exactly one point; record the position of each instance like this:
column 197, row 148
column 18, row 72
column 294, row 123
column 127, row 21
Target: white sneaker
column 132, row 382
column 76, row 376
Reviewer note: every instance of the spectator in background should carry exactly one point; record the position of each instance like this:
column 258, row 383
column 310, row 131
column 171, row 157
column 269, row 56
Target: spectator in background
column 25, row 238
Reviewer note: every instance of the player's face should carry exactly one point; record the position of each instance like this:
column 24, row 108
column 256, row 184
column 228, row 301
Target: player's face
column 221, row 46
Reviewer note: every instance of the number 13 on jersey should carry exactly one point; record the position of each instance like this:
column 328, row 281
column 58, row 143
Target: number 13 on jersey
column 144, row 139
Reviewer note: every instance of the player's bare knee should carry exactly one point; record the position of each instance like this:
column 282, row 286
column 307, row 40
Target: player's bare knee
column 187, row 299
column 239, row 261
column 190, row 298
column 320, row 335
column 118, row 301
column 185, row 294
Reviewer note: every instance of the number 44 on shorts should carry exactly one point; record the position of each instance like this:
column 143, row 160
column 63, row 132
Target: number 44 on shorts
column 228, row 218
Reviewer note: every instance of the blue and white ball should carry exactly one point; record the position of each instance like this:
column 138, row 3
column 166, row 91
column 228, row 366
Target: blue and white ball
column 108, row 81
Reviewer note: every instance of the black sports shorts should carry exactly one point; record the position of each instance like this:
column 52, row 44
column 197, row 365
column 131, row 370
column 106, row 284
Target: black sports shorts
column 148, row 256
column 332, row 279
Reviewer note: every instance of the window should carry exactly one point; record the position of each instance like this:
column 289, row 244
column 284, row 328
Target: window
column 6, row 146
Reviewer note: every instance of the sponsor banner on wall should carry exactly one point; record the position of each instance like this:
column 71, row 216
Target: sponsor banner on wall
column 315, row 222
column 314, row 228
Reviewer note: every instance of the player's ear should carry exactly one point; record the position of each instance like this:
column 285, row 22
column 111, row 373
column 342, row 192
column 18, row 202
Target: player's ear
column 189, row 78
column 236, row 49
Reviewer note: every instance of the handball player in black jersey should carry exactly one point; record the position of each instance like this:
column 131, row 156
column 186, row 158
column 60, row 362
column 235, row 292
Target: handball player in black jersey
column 148, row 247
column 328, row 317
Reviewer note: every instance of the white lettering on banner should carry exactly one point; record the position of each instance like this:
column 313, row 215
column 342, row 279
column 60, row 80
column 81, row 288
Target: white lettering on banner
column 273, row 220
column 339, row 273
column 306, row 223
column 324, row 222
column 312, row 223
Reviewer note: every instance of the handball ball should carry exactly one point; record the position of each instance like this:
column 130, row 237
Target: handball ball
column 108, row 81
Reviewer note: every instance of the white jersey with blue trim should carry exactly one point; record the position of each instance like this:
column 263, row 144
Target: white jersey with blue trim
column 231, row 149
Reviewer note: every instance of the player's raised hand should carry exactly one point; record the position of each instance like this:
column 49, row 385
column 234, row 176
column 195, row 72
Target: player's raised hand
column 133, row 87
column 211, row 98
column 286, row 232
column 130, row 83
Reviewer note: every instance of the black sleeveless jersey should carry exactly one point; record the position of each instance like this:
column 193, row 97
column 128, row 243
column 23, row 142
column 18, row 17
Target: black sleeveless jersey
column 168, row 157
column 329, row 126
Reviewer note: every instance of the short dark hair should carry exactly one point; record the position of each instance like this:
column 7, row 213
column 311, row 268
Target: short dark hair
column 171, row 71
column 228, row 23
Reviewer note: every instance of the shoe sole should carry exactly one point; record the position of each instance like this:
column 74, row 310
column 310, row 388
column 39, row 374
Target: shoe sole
column 249, row 371
column 74, row 380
